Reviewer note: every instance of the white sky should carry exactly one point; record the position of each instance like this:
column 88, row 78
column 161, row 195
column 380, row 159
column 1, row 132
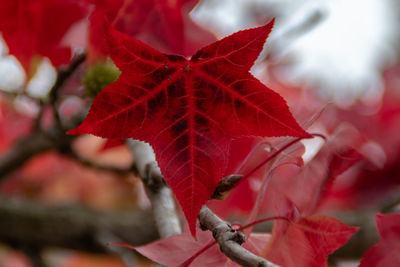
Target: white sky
column 343, row 55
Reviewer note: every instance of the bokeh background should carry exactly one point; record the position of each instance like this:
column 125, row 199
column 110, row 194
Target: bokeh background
column 337, row 57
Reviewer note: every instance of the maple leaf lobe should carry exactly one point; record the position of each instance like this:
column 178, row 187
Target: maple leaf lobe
column 241, row 49
column 189, row 110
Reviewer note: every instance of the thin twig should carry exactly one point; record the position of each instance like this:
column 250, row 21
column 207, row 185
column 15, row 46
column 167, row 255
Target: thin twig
column 101, row 167
column 63, row 75
column 38, row 120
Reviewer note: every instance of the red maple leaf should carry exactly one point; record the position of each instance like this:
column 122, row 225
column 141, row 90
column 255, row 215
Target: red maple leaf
column 179, row 250
column 307, row 241
column 189, row 110
column 165, row 25
column 36, row 28
column 387, row 251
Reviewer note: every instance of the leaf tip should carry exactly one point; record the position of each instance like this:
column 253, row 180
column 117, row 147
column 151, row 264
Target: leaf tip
column 272, row 22
column 120, row 244
column 78, row 130
column 72, row 132
column 192, row 228
column 269, row 26
column 307, row 135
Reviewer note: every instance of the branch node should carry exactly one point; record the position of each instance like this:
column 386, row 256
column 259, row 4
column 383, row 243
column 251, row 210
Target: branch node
column 238, row 237
column 153, row 180
column 225, row 185
column 203, row 227
column 230, row 240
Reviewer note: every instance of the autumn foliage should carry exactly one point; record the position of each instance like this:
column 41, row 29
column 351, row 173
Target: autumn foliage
column 196, row 108
column 195, row 100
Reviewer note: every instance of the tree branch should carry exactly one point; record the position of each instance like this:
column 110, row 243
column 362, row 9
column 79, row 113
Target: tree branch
column 22, row 151
column 230, row 240
column 36, row 143
column 28, row 224
column 39, row 141
column 51, row 139
column 160, row 195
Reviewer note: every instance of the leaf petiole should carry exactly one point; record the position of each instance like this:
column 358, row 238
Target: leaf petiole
column 276, row 153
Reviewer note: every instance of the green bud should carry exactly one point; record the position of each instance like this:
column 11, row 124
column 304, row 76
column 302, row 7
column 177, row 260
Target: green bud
column 98, row 76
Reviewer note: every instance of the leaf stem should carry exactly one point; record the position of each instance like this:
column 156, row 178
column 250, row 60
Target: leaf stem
column 263, row 220
column 240, row 167
column 208, row 245
column 276, row 153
